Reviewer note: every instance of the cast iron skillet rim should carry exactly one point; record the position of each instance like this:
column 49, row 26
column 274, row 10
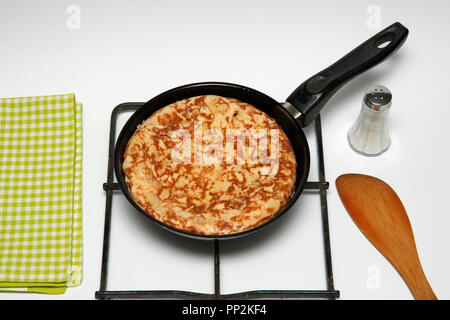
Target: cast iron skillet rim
column 296, row 194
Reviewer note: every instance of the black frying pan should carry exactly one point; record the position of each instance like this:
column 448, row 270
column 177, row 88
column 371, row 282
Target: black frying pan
column 301, row 108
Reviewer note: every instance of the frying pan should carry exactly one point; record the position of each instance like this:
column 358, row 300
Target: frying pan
column 299, row 110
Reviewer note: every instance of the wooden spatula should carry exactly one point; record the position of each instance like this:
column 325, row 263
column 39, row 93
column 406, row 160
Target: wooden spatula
column 380, row 215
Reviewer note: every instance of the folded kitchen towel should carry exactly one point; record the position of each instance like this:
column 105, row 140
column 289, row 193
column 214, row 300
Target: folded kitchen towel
column 40, row 194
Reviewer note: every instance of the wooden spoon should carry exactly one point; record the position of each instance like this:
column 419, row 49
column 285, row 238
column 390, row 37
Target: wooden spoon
column 378, row 212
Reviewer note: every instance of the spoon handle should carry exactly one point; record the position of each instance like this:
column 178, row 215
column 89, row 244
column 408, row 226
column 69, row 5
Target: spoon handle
column 417, row 282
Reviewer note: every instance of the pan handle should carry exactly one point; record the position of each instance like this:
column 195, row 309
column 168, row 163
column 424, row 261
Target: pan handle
column 310, row 97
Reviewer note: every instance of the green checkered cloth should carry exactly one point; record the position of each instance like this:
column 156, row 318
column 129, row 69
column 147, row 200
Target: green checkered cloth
column 40, row 194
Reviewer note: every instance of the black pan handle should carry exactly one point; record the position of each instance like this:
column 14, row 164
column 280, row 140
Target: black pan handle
column 310, row 97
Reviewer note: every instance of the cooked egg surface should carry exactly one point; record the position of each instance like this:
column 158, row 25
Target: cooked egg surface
column 202, row 165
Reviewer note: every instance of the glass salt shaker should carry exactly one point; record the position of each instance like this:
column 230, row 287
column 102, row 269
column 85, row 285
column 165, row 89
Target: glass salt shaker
column 369, row 135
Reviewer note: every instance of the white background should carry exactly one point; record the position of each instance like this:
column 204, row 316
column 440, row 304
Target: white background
column 134, row 50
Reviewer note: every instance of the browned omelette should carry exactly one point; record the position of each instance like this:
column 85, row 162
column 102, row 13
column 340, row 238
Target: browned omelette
column 206, row 191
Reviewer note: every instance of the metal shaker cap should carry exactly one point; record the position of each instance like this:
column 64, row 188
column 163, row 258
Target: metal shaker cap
column 378, row 98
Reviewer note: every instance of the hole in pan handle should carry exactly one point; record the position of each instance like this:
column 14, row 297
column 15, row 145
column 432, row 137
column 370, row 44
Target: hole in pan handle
column 310, row 97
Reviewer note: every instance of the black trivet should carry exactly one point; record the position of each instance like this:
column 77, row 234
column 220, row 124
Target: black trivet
column 110, row 188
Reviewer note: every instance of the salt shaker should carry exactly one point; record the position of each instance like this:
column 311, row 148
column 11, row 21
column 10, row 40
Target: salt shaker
column 369, row 135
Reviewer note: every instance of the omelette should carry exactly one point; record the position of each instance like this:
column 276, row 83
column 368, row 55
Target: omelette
column 210, row 165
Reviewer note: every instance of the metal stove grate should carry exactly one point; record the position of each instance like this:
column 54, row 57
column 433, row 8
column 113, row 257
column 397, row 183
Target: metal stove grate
column 110, row 187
